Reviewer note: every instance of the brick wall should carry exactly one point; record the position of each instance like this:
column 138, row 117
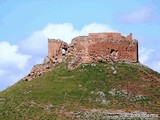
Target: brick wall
column 97, row 46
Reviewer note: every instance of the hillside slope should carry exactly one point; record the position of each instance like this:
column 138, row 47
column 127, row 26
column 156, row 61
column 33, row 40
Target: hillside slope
column 92, row 91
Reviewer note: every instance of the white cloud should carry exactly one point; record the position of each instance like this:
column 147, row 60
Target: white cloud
column 94, row 27
column 9, row 54
column 66, row 31
column 12, row 64
column 139, row 15
column 145, row 54
column 155, row 65
column 150, row 58
column 37, row 43
column 60, row 31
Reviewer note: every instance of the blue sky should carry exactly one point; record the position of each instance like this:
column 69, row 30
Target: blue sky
column 25, row 26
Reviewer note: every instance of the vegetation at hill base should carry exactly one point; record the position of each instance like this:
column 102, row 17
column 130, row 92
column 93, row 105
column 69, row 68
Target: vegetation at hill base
column 92, row 91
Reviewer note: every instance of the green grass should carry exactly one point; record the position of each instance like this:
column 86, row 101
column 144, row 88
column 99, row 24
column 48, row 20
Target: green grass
column 72, row 90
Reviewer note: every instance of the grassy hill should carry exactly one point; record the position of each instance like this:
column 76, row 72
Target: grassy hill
column 92, row 91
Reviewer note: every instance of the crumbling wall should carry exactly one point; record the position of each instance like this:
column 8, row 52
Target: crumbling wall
column 56, row 50
column 55, row 56
column 102, row 46
column 55, row 47
column 110, row 35
column 37, row 71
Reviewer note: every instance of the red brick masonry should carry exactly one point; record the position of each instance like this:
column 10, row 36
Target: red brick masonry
column 96, row 46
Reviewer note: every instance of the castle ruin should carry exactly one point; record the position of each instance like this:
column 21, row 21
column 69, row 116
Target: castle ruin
column 96, row 47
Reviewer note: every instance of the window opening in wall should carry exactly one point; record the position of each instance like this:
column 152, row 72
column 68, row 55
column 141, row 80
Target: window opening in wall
column 112, row 50
column 114, row 53
column 64, row 51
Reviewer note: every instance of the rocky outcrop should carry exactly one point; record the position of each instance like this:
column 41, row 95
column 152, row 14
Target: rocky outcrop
column 37, row 71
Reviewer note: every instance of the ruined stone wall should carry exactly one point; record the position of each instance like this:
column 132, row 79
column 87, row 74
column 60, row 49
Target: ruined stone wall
column 105, row 47
column 98, row 46
column 111, row 35
column 54, row 47
column 54, row 57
